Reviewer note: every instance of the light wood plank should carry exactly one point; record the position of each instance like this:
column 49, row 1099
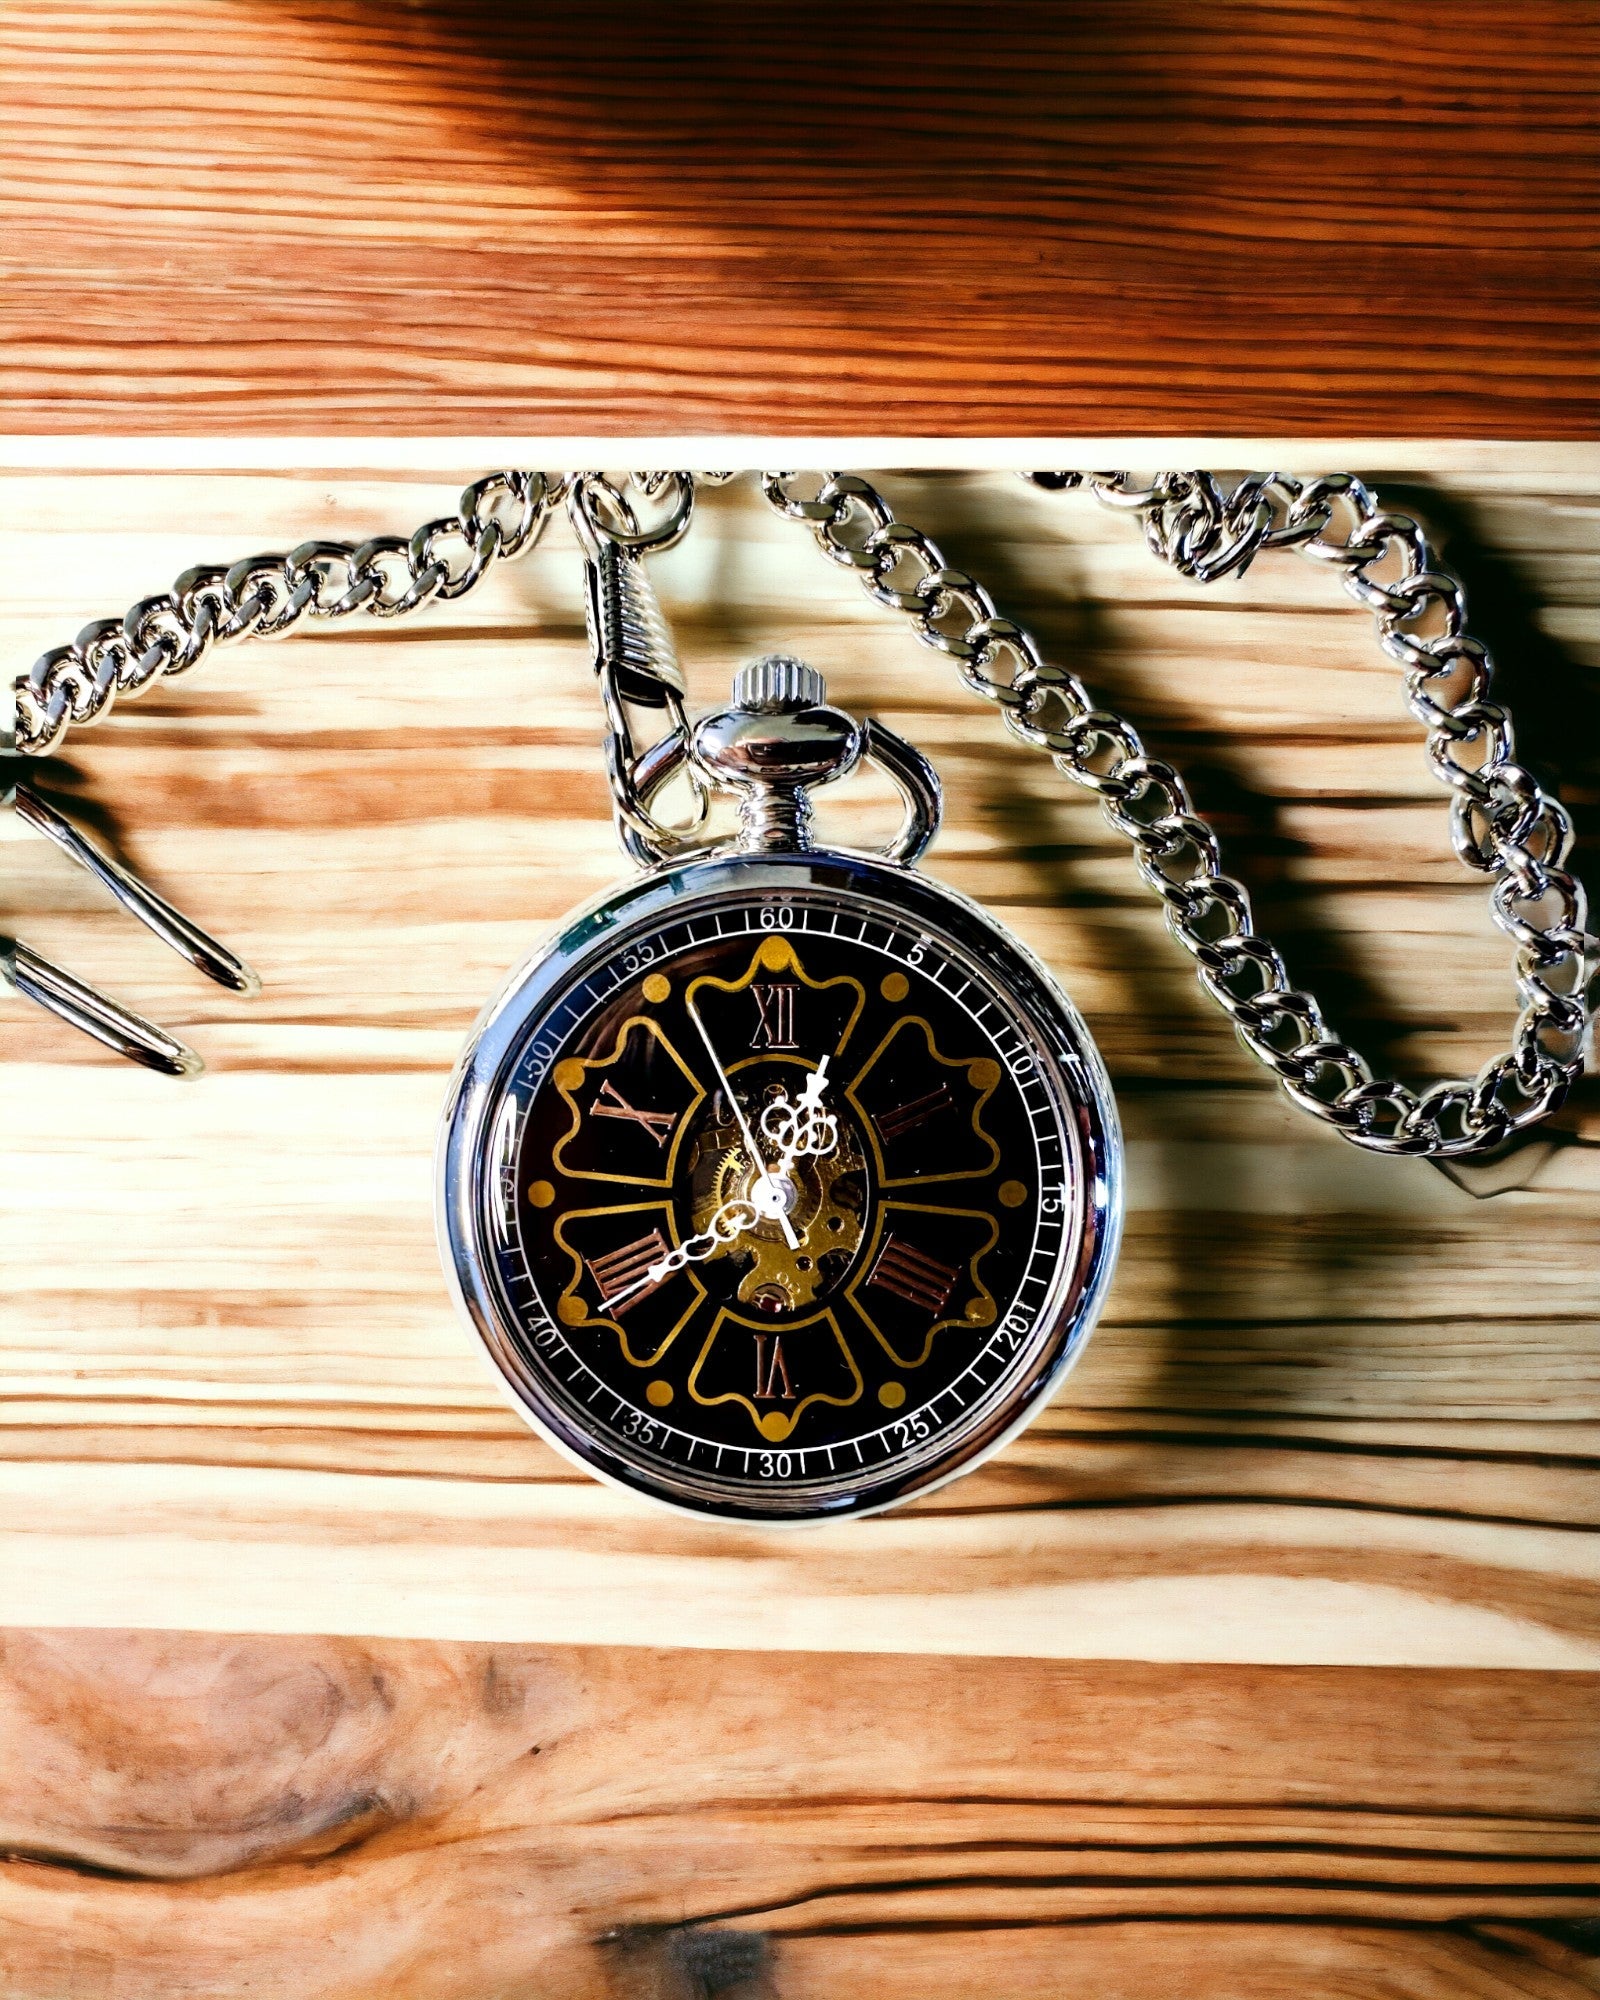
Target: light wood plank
column 1339, row 1411
column 1325, row 1481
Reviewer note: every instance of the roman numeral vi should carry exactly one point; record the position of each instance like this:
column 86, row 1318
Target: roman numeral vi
column 771, row 1370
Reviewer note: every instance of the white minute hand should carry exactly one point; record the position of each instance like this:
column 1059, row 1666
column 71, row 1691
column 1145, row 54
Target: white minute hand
column 757, row 1158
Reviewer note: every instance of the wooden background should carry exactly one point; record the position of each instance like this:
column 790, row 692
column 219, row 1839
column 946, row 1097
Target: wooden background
column 456, row 217
column 1266, row 1663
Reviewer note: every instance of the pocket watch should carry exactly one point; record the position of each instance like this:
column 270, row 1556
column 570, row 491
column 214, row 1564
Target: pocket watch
column 782, row 1184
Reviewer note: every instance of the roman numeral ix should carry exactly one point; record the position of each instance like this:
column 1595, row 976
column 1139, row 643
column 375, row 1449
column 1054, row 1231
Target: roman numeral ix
column 913, row 1275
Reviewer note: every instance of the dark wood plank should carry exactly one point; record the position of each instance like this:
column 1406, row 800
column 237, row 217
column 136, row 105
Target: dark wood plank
column 1100, row 217
column 342, row 1820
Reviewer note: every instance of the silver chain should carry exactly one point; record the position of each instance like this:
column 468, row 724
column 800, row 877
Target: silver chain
column 265, row 597
column 1502, row 823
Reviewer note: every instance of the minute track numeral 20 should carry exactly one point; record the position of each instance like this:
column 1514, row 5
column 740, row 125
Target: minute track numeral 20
column 616, row 1270
column 911, row 1274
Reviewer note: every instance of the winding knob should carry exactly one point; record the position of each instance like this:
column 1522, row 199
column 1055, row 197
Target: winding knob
column 778, row 738
column 778, row 684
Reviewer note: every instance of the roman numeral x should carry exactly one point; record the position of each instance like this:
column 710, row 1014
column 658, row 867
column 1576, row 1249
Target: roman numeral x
column 610, row 1103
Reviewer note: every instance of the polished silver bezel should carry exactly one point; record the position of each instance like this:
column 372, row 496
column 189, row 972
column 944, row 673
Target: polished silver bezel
column 1059, row 1039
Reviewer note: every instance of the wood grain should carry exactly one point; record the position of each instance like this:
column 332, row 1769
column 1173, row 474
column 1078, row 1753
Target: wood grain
column 321, row 215
column 333, row 1819
column 1266, row 1662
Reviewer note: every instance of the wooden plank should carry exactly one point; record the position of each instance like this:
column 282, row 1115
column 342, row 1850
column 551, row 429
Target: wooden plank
column 1338, row 1412
column 340, row 1819
column 1114, row 217
column 1231, row 1678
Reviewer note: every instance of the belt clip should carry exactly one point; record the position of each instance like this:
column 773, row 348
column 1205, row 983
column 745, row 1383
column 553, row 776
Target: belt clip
column 83, row 1006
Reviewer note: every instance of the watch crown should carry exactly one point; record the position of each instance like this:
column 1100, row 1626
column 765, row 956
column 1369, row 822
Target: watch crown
column 778, row 684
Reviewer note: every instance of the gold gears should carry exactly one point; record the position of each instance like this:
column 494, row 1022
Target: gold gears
column 825, row 1213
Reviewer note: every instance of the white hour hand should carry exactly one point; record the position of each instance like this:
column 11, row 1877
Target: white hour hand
column 730, row 1222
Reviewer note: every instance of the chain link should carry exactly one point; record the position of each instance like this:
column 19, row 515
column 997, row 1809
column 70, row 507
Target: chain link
column 1503, row 824
column 264, row 597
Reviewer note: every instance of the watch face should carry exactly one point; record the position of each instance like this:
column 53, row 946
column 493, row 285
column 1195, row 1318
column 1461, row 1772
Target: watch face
column 783, row 1199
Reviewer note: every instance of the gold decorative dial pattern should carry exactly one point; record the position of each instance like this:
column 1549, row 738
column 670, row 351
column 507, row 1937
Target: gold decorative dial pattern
column 785, row 1193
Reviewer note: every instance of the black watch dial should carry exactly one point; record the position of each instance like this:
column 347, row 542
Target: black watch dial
column 789, row 1206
